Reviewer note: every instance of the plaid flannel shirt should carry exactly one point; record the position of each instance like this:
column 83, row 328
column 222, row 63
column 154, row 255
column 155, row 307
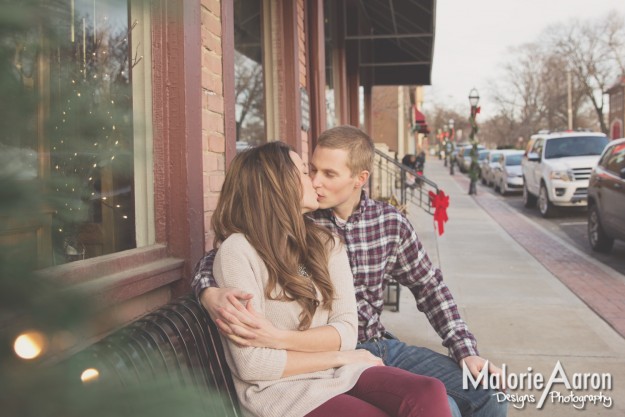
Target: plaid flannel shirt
column 382, row 245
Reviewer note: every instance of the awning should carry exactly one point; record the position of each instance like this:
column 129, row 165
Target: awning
column 418, row 116
column 419, row 124
column 396, row 45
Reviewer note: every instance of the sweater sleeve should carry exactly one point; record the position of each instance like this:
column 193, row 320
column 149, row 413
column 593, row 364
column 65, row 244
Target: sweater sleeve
column 343, row 316
column 237, row 265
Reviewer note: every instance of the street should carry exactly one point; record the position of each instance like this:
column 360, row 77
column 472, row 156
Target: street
column 569, row 225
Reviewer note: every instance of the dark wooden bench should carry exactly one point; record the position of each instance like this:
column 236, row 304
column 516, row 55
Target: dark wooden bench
column 178, row 340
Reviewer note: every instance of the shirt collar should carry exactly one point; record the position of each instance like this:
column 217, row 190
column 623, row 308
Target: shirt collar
column 365, row 201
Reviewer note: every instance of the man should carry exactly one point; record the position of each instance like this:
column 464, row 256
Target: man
column 381, row 245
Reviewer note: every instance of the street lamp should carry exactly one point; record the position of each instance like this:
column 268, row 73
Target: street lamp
column 451, row 139
column 474, row 100
column 446, row 144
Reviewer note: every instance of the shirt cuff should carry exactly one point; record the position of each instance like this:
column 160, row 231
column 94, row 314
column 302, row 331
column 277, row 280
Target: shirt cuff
column 464, row 348
column 346, row 333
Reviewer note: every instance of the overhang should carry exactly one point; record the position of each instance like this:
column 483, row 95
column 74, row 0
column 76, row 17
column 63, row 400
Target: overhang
column 395, row 40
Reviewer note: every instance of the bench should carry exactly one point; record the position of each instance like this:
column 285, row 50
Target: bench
column 178, row 340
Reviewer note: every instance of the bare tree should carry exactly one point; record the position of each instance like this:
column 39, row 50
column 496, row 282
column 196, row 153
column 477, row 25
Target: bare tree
column 593, row 51
column 521, row 98
column 249, row 98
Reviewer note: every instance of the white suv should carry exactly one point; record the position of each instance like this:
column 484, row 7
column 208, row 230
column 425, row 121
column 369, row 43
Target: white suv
column 556, row 168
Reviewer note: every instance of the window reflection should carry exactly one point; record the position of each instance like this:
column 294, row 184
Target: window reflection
column 248, row 74
column 76, row 71
column 331, row 119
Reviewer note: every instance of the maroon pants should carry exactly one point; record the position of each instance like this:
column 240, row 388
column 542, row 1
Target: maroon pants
column 384, row 391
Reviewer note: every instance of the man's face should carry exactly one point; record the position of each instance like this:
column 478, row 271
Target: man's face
column 332, row 179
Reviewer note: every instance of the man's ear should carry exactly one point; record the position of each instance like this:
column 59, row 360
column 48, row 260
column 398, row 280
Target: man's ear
column 363, row 177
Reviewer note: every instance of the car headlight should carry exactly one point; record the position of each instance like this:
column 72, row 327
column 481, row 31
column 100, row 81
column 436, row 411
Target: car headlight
column 561, row 175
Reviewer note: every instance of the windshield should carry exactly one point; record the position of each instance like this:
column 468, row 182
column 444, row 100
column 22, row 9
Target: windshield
column 514, row 159
column 467, row 151
column 494, row 157
column 575, row 146
column 482, row 155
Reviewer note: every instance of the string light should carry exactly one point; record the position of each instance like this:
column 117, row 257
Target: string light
column 89, row 375
column 30, row 345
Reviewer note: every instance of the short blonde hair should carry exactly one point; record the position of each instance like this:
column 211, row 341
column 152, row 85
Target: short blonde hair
column 357, row 143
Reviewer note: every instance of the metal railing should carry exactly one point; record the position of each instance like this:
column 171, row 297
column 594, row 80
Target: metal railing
column 389, row 181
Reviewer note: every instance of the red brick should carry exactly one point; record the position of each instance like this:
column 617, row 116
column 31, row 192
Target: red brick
column 215, row 182
column 212, row 6
column 212, row 43
column 214, row 103
column 212, row 23
column 211, row 162
column 210, row 201
column 216, row 143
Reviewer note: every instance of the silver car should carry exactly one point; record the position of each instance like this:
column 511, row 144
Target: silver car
column 487, row 169
column 508, row 175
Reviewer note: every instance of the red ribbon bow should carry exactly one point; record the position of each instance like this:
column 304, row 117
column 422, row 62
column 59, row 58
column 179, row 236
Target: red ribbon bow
column 440, row 202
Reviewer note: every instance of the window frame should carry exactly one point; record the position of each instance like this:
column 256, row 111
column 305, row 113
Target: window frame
column 159, row 267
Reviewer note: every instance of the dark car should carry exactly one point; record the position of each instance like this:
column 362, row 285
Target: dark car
column 606, row 198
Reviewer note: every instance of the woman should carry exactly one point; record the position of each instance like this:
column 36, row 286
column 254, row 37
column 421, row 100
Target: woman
column 300, row 277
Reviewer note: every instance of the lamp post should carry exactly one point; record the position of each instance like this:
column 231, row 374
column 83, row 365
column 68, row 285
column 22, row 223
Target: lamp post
column 474, row 100
column 451, row 143
column 447, row 145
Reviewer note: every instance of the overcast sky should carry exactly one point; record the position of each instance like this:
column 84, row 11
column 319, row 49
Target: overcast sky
column 472, row 40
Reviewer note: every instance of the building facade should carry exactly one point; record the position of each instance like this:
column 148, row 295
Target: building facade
column 141, row 105
column 616, row 117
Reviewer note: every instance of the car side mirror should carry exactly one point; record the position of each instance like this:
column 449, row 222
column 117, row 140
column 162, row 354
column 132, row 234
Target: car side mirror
column 533, row 157
column 623, row 173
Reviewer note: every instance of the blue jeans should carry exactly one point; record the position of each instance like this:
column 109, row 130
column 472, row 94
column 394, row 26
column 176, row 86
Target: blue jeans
column 422, row 361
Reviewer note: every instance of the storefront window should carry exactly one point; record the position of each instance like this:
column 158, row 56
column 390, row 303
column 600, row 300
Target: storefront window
column 331, row 113
column 248, row 74
column 76, row 71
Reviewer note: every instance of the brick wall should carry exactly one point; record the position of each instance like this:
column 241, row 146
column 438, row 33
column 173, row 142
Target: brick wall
column 384, row 116
column 213, row 138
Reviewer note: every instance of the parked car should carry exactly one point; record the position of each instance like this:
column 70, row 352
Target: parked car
column 482, row 156
column 508, row 175
column 483, row 162
column 464, row 157
column 487, row 169
column 556, row 169
column 458, row 152
column 606, row 198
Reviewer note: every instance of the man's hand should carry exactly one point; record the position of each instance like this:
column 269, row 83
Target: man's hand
column 213, row 299
column 475, row 364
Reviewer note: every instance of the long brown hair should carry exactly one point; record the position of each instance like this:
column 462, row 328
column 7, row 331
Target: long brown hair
column 261, row 198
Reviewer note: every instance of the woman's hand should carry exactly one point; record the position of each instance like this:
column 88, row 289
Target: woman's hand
column 247, row 327
column 359, row 356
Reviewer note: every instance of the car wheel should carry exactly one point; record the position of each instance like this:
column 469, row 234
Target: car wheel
column 545, row 206
column 529, row 200
column 503, row 188
column 599, row 241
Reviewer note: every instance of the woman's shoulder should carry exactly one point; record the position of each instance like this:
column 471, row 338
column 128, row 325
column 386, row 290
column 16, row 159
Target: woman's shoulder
column 236, row 243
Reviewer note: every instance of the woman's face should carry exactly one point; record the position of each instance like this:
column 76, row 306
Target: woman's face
column 309, row 195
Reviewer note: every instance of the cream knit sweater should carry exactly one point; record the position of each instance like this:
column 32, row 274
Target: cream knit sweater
column 257, row 371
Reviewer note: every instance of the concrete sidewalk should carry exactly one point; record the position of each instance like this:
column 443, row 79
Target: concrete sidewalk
column 521, row 314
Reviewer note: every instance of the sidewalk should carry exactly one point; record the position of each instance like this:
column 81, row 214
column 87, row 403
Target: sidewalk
column 520, row 312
